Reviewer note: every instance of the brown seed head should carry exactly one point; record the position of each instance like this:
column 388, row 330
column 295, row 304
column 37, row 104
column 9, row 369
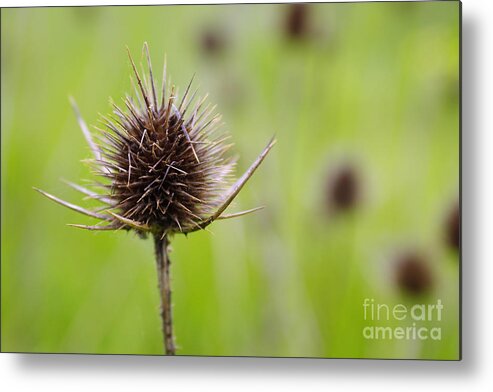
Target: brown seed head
column 343, row 189
column 413, row 275
column 165, row 158
column 165, row 164
column 212, row 42
column 297, row 21
column 452, row 228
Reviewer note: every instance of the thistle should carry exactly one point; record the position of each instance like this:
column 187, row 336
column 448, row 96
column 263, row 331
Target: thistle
column 297, row 21
column 452, row 228
column 413, row 274
column 164, row 169
column 213, row 42
column 343, row 191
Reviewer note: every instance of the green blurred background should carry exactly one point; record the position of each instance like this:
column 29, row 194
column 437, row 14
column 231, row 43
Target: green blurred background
column 371, row 86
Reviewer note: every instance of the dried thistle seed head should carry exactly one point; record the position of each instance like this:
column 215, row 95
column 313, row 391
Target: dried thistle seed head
column 165, row 159
column 297, row 21
column 165, row 164
column 413, row 274
column 343, row 189
column 452, row 228
column 213, row 41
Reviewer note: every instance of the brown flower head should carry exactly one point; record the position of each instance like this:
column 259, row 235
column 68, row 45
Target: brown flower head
column 297, row 21
column 413, row 274
column 164, row 163
column 343, row 189
column 452, row 228
column 213, row 41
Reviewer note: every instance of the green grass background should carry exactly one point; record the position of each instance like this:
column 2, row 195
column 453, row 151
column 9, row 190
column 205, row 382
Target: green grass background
column 375, row 84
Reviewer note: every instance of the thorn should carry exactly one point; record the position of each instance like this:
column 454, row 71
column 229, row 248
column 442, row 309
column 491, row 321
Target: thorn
column 85, row 130
column 139, row 81
column 95, row 227
column 87, row 192
column 151, row 77
column 72, row 206
column 241, row 213
column 184, row 130
column 130, row 222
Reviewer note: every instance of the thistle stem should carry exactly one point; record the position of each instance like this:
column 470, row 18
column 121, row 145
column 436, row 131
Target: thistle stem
column 163, row 262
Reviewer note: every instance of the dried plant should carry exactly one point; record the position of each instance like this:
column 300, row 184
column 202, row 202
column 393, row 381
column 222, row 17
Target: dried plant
column 213, row 41
column 165, row 169
column 343, row 190
column 413, row 274
column 452, row 228
column 297, row 21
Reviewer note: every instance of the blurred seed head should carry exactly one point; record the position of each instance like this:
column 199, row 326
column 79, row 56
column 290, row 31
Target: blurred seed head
column 212, row 42
column 452, row 228
column 413, row 274
column 297, row 21
column 343, row 189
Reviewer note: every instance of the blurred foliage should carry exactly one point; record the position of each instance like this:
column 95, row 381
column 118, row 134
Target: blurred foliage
column 371, row 85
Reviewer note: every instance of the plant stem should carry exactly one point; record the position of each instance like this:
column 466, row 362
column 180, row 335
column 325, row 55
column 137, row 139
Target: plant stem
column 163, row 262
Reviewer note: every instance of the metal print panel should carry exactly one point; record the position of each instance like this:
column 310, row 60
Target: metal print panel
column 266, row 180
